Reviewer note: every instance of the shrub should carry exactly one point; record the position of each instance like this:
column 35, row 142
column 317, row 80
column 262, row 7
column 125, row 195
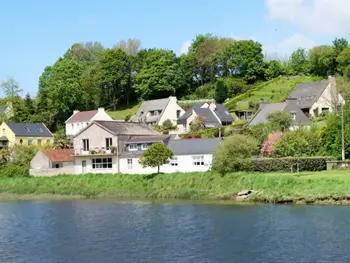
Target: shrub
column 280, row 121
column 127, row 117
column 168, row 125
column 197, row 124
column 23, row 154
column 12, row 170
column 289, row 164
column 234, row 153
column 268, row 146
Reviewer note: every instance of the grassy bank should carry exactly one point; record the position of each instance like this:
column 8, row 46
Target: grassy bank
column 272, row 188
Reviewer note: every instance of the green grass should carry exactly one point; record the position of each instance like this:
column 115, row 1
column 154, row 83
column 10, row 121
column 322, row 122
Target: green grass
column 272, row 188
column 124, row 111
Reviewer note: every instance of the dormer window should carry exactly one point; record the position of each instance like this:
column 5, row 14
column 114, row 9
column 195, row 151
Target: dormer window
column 26, row 129
column 293, row 114
column 132, row 147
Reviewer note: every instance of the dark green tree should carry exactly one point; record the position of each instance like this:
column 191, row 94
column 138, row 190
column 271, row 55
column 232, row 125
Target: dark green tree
column 220, row 91
column 322, row 60
column 298, row 62
column 156, row 155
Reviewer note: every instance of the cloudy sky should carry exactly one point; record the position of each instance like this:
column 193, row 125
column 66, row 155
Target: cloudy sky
column 34, row 33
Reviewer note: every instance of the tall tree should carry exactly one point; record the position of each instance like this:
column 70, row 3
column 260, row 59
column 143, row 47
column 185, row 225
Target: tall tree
column 11, row 88
column 220, row 91
column 29, row 107
column 322, row 60
column 132, row 46
column 339, row 45
column 343, row 60
column 299, row 62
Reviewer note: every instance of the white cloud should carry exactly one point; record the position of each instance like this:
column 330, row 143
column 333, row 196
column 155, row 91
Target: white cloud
column 185, row 46
column 323, row 17
column 235, row 37
column 288, row 45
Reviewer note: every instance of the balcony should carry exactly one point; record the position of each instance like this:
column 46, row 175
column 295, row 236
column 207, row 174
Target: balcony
column 98, row 151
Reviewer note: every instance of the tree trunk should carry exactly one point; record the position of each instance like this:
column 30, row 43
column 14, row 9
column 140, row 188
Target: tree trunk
column 158, row 168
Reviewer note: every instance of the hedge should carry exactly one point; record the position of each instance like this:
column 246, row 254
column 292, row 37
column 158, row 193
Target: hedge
column 290, row 164
column 13, row 170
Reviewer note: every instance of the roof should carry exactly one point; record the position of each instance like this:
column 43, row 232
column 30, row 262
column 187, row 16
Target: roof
column 127, row 128
column 223, row 113
column 151, row 105
column 64, row 155
column 188, row 112
column 208, row 116
column 82, row 116
column 2, row 108
column 146, row 139
column 29, row 129
column 308, row 93
column 193, row 146
column 261, row 115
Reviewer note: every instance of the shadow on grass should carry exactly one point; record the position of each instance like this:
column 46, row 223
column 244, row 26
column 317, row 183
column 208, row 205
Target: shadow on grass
column 151, row 176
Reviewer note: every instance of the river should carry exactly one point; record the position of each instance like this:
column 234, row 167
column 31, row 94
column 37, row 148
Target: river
column 121, row 231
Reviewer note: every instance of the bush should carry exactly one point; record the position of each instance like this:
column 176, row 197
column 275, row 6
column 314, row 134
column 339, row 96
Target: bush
column 280, row 121
column 168, row 125
column 23, row 154
column 234, row 153
column 12, row 170
column 289, row 164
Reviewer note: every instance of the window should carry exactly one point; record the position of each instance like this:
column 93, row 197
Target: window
column 198, row 160
column 26, row 129
column 39, row 141
column 293, row 114
column 30, row 141
column 86, row 144
column 102, row 163
column 48, row 141
column 108, row 143
column 178, row 112
column 21, row 141
column 132, row 147
column 3, row 132
column 72, row 125
column 173, row 161
column 129, row 163
column 144, row 146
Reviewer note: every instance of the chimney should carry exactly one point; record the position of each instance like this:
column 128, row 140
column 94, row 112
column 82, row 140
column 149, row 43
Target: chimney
column 101, row 109
column 75, row 112
column 262, row 105
column 291, row 101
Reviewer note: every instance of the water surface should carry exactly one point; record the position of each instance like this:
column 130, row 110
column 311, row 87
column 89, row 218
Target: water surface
column 110, row 231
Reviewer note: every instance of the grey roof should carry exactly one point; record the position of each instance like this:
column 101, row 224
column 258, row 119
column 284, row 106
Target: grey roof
column 145, row 139
column 193, row 146
column 261, row 115
column 2, row 108
column 131, row 154
column 127, row 128
column 188, row 113
column 308, row 93
column 223, row 113
column 30, row 129
column 208, row 116
column 151, row 105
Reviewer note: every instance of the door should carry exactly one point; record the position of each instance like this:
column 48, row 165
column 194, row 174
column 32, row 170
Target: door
column 83, row 164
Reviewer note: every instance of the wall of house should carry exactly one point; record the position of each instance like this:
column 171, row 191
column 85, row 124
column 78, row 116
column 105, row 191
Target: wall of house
column 40, row 161
column 97, row 138
column 51, row 171
column 101, row 115
column 170, row 111
column 6, row 131
column 78, row 168
column 25, row 140
column 185, row 164
column 186, row 128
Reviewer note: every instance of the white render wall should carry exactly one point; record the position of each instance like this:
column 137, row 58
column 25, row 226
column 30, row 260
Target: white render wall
column 170, row 111
column 185, row 164
column 78, row 168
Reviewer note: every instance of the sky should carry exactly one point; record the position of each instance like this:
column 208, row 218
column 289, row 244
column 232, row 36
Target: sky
column 35, row 33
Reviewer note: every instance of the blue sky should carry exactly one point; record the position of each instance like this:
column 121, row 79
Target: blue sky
column 36, row 32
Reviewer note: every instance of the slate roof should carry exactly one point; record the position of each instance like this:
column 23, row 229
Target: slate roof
column 82, row 116
column 30, row 129
column 194, row 146
column 127, row 128
column 145, row 139
column 308, row 93
column 188, row 113
column 261, row 115
column 223, row 113
column 151, row 105
column 64, row 155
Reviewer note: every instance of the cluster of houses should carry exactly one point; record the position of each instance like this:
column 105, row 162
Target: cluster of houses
column 103, row 145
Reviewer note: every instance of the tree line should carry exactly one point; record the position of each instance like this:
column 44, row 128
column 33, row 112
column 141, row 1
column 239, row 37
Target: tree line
column 89, row 75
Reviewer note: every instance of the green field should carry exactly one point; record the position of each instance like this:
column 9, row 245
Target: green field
column 124, row 111
column 310, row 187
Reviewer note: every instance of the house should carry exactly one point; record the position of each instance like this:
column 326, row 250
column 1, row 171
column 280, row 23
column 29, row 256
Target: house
column 155, row 112
column 190, row 155
column 81, row 119
column 213, row 115
column 52, row 162
column 97, row 146
column 7, row 110
column 289, row 106
column 24, row 133
column 317, row 97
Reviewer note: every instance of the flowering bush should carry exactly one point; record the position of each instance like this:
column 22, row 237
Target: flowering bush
column 268, row 146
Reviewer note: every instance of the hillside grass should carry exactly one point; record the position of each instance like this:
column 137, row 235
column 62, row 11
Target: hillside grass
column 124, row 111
column 273, row 91
column 332, row 186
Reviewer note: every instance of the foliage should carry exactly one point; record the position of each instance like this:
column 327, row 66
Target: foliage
column 298, row 62
column 168, row 125
column 206, row 91
column 280, row 121
column 23, row 154
column 14, row 170
column 267, row 148
column 322, row 60
column 234, row 153
column 131, row 46
column 220, row 91
column 156, row 155
column 197, row 124
column 289, row 164
column 235, row 86
column 11, row 88
column 260, row 132
column 343, row 60
column 273, row 69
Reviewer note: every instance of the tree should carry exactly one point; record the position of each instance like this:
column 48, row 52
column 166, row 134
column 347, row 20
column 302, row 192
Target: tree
column 280, row 121
column 235, row 86
column 343, row 60
column 322, row 60
column 245, row 59
column 220, row 91
column 197, row 124
column 131, row 46
column 11, row 88
column 273, row 69
column 298, row 61
column 168, row 125
column 29, row 107
column 339, row 45
column 234, row 153
column 156, row 155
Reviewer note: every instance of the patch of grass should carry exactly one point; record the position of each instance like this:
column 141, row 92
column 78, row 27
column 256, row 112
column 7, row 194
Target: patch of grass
column 272, row 187
column 124, row 111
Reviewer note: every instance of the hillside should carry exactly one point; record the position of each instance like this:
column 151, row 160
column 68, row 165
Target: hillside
column 272, row 91
column 123, row 112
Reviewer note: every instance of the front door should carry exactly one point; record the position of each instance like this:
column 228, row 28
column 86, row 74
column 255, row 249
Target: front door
column 83, row 164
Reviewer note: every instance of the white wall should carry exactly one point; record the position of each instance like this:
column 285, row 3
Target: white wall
column 186, row 128
column 170, row 111
column 78, row 168
column 40, row 161
column 185, row 164
column 51, row 171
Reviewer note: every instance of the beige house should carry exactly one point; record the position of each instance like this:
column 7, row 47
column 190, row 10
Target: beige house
column 317, row 97
column 155, row 112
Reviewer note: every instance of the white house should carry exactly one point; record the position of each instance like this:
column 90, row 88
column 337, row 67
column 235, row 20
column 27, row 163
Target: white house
column 190, row 155
column 81, row 119
column 52, row 162
column 157, row 111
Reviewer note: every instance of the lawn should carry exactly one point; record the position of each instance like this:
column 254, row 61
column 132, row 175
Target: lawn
column 124, row 111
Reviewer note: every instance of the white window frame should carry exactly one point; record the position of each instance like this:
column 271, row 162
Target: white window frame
column 174, row 161
column 144, row 146
column 109, row 143
column 293, row 114
column 102, row 163
column 198, row 160
column 30, row 141
column 129, row 161
column 132, row 147
column 39, row 141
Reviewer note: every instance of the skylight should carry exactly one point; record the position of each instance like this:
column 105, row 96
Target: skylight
column 41, row 130
column 26, row 129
